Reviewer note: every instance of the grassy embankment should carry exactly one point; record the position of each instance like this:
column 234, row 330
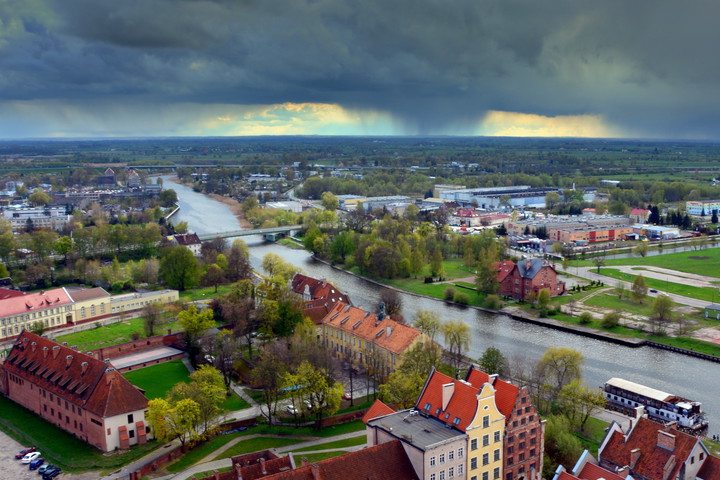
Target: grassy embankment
column 702, row 262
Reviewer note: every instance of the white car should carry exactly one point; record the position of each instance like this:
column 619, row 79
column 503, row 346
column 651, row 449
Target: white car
column 291, row 410
column 30, row 457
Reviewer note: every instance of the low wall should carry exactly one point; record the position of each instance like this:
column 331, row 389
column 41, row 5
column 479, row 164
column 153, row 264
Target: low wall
column 171, row 339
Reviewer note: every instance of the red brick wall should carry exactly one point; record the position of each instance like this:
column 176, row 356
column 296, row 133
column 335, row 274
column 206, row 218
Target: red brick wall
column 176, row 339
column 523, row 447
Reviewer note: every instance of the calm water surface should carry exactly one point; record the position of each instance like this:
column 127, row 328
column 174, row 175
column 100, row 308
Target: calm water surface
column 674, row 373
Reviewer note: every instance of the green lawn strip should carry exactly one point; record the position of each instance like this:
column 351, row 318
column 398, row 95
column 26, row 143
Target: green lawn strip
column 317, row 457
column 158, row 379
column 104, row 336
column 256, row 395
column 707, row 294
column 350, row 427
column 256, row 444
column 593, row 434
column 611, row 301
column 204, row 293
column 347, row 442
column 680, row 261
column 358, row 406
column 58, row 446
column 203, row 450
column 233, row 402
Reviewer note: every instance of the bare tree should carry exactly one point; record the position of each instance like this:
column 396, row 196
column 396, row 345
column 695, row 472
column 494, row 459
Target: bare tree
column 152, row 315
column 392, row 300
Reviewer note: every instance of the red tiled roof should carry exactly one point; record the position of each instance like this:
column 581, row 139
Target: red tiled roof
column 73, row 375
column 567, row 476
column 462, row 404
column 9, row 293
column 319, row 289
column 387, row 461
column 504, row 268
column 505, row 392
column 710, row 469
column 187, row 239
column 639, row 211
column 32, row 302
column 652, row 457
column 362, row 324
column 595, row 472
column 378, row 409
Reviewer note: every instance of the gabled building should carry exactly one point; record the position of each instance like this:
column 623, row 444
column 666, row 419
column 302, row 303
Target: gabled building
column 587, row 468
column 372, row 340
column 652, row 451
column 318, row 296
column 524, row 436
column 77, row 392
column 189, row 240
column 21, row 311
column 518, row 280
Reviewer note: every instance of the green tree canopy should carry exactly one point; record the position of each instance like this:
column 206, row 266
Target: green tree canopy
column 179, row 268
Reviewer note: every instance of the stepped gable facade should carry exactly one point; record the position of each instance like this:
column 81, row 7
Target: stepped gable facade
column 524, row 439
column 77, row 392
column 318, row 296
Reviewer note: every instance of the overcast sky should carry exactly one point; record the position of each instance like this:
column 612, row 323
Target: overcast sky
column 634, row 68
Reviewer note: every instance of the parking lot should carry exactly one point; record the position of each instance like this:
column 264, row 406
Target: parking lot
column 11, row 469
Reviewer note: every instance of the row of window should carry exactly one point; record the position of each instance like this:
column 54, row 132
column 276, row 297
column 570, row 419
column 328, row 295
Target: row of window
column 450, row 456
column 451, row 472
column 485, row 459
column 486, row 475
column 34, row 315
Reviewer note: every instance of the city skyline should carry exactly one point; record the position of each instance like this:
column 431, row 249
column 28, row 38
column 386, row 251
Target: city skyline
column 216, row 68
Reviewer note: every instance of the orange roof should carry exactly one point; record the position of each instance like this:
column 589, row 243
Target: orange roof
column 387, row 461
column 386, row 333
column 72, row 375
column 505, row 392
column 377, row 409
column 652, row 457
column 595, row 472
column 710, row 469
column 461, row 408
column 33, row 302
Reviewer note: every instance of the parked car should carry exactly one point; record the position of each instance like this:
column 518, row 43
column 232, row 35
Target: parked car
column 36, row 463
column 652, row 290
column 291, row 409
column 24, row 452
column 51, row 473
column 347, row 396
column 45, row 467
column 30, row 457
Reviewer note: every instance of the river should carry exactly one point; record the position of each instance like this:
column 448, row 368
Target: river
column 674, row 373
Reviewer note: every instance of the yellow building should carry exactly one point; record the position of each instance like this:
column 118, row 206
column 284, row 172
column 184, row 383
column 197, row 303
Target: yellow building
column 366, row 338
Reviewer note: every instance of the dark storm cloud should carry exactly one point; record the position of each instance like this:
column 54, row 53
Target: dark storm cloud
column 649, row 67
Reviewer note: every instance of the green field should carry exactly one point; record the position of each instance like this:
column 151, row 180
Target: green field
column 157, row 380
column 58, row 446
column 257, row 444
column 203, row 450
column 106, row 335
column 701, row 262
column 348, row 442
column 708, row 294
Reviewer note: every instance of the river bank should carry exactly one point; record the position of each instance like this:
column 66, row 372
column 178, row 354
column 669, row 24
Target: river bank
column 234, row 206
column 524, row 316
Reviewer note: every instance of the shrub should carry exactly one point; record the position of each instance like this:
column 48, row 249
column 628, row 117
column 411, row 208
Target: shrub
column 543, row 312
column 611, row 320
column 449, row 294
column 428, row 279
column 462, row 298
column 586, row 318
column 135, row 336
column 493, row 302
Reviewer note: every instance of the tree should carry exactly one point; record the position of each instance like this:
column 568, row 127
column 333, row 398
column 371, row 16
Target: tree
column 342, row 246
column 420, row 359
column 437, row 269
column 173, row 420
column 152, row 314
column 238, row 263
column 214, row 276
column 714, row 218
column 493, row 361
column 457, row 341
column 662, row 313
column 179, row 268
column 611, row 319
column 641, row 249
column 402, row 390
column 393, row 302
column 562, row 447
column 39, row 198
column 543, row 298
column 428, row 322
column 270, row 373
column 639, row 289
column 194, row 323
column 558, row 367
column 63, row 246
column 168, row 198
column 329, row 201
column 274, row 265
column 580, row 402
column 322, row 397
column 620, row 289
column 598, row 261
column 552, row 200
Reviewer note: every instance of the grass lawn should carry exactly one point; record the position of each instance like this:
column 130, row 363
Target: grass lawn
column 707, row 294
column 106, row 335
column 255, row 445
column 348, row 442
column 256, row 395
column 608, row 300
column 593, row 434
column 350, row 427
column 58, row 446
column 233, row 402
column 680, row 261
column 317, row 457
column 157, row 380
column 201, row 451
column 358, row 405
column 204, row 293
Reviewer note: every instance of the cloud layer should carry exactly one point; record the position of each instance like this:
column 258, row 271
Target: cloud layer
column 88, row 67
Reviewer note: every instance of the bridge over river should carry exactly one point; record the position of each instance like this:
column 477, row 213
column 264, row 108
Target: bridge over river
column 270, row 233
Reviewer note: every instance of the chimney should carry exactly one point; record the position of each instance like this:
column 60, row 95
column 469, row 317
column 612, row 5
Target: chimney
column 623, row 472
column 666, row 440
column 109, row 378
column 45, row 352
column 56, row 350
column 262, row 466
column 634, row 457
column 68, row 361
column 304, row 462
column 492, row 379
column 315, row 471
column 388, row 331
column 33, row 346
column 84, row 366
column 447, row 392
column 216, row 475
column 238, row 470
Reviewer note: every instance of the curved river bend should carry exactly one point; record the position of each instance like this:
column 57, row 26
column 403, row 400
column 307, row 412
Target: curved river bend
column 674, row 373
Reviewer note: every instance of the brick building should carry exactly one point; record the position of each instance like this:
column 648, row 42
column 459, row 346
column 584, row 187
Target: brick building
column 318, row 296
column 79, row 393
column 520, row 279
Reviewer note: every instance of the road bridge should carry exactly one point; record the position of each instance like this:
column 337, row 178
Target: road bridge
column 271, row 233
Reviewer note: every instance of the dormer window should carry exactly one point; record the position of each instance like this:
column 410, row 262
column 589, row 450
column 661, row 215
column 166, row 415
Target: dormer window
column 427, row 407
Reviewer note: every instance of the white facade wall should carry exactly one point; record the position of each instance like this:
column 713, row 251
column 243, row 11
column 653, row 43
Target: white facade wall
column 113, row 424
